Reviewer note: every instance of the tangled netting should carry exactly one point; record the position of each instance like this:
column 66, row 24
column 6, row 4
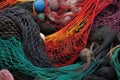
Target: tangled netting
column 63, row 47
column 115, row 61
column 18, row 21
column 109, row 16
column 13, row 58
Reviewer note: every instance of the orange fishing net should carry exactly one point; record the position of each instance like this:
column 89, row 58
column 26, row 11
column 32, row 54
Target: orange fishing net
column 64, row 46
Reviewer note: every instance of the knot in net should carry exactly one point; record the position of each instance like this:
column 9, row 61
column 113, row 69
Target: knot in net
column 63, row 47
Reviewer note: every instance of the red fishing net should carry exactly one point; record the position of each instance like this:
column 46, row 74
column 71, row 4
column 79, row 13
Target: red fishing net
column 6, row 3
column 64, row 46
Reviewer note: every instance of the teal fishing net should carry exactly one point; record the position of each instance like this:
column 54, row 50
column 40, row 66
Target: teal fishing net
column 12, row 57
column 115, row 61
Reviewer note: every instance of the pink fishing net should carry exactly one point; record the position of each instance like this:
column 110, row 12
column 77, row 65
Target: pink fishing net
column 110, row 16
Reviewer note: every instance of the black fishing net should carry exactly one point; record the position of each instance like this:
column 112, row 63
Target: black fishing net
column 26, row 5
column 18, row 75
column 8, row 27
column 18, row 21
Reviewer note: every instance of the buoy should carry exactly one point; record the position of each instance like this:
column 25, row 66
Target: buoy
column 42, row 36
column 41, row 16
column 39, row 5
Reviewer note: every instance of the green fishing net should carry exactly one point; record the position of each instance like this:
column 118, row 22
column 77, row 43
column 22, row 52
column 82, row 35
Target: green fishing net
column 12, row 57
column 115, row 61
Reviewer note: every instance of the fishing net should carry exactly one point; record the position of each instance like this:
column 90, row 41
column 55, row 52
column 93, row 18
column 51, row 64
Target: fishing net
column 26, row 5
column 115, row 61
column 105, row 71
column 13, row 58
column 60, row 13
column 63, row 47
column 18, row 21
column 109, row 16
column 13, row 29
column 8, row 3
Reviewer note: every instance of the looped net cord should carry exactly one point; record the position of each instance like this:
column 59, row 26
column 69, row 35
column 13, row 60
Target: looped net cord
column 12, row 57
column 63, row 47
column 17, row 21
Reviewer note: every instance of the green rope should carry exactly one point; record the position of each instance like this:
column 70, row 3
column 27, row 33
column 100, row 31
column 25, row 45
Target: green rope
column 12, row 57
column 115, row 62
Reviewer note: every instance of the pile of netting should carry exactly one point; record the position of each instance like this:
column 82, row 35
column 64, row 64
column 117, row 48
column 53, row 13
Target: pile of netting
column 19, row 22
column 13, row 58
column 23, row 50
column 63, row 47
column 109, row 16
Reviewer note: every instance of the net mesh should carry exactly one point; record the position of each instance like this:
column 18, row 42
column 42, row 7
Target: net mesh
column 4, row 31
column 109, row 16
column 13, row 58
column 18, row 21
column 63, row 47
